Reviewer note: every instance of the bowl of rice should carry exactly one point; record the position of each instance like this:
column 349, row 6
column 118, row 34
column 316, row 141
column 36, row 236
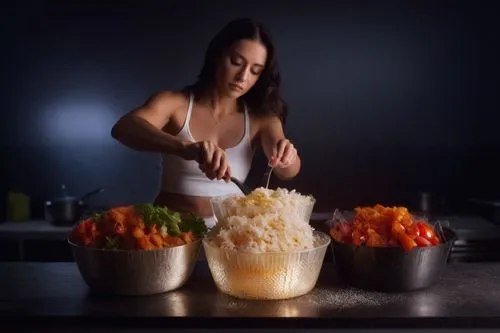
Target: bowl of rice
column 263, row 247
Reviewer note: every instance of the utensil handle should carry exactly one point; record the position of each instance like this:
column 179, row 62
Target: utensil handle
column 267, row 176
column 245, row 189
column 94, row 192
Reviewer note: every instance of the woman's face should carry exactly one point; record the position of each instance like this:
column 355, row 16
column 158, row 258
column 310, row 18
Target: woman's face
column 240, row 67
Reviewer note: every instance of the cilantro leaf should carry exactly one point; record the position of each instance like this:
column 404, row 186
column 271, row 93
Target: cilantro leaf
column 194, row 224
column 175, row 225
column 111, row 243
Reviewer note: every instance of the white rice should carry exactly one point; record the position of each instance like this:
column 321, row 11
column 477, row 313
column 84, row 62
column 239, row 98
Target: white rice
column 265, row 221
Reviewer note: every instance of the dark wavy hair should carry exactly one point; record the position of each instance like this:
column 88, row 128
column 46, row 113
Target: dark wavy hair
column 264, row 98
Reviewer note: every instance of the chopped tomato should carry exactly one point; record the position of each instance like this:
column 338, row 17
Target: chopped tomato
column 426, row 230
column 358, row 238
column 406, row 242
column 138, row 232
column 385, row 226
column 156, row 240
column 345, row 230
column 435, row 240
column 119, row 228
column 413, row 231
column 422, row 242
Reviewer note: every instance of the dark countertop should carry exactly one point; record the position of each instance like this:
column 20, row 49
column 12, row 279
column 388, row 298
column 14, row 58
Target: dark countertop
column 53, row 295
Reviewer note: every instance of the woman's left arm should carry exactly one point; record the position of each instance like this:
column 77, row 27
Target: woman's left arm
column 280, row 152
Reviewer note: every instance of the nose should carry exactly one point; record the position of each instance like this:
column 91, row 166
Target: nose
column 242, row 75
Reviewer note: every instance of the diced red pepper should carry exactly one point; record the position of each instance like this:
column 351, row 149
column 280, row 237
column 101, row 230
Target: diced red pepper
column 413, row 231
column 423, row 242
column 397, row 228
column 435, row 240
column 426, row 230
column 406, row 242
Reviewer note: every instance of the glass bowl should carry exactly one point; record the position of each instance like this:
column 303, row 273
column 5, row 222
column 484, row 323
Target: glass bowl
column 269, row 275
column 222, row 209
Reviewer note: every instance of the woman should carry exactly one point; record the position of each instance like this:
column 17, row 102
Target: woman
column 208, row 132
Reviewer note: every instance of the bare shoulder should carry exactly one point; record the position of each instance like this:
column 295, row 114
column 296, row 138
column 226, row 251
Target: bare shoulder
column 262, row 122
column 166, row 99
column 161, row 107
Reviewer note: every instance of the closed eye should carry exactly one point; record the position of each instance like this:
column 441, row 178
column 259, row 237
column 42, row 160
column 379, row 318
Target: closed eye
column 256, row 72
column 236, row 61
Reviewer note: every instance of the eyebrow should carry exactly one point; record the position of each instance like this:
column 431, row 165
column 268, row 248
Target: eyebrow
column 241, row 56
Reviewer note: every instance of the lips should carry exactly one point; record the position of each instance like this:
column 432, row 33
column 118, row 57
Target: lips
column 236, row 87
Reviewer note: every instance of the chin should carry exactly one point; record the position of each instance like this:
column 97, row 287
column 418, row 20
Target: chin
column 234, row 94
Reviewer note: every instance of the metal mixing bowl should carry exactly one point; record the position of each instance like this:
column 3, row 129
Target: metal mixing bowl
column 267, row 276
column 391, row 269
column 136, row 272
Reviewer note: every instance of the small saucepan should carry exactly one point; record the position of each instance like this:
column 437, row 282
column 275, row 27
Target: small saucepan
column 66, row 210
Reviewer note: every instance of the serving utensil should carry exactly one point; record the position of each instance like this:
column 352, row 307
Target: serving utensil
column 439, row 228
column 267, row 176
column 245, row 189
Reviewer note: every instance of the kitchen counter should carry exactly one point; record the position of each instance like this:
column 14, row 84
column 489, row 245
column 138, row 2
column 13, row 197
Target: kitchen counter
column 33, row 229
column 53, row 296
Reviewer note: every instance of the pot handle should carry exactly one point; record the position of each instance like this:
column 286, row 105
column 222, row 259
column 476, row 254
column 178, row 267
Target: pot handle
column 94, row 192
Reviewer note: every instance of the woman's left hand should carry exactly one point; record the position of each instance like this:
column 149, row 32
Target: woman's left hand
column 284, row 154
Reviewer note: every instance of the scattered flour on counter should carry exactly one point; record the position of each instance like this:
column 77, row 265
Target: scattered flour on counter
column 345, row 298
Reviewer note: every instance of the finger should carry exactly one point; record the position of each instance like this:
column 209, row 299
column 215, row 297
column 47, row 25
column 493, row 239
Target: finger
column 274, row 153
column 205, row 168
column 279, row 149
column 293, row 158
column 216, row 160
column 223, row 167
column 227, row 176
column 273, row 160
column 209, row 152
column 288, row 155
column 200, row 153
column 282, row 145
column 210, row 174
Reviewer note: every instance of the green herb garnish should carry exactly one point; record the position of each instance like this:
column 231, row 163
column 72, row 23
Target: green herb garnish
column 194, row 224
column 97, row 216
column 111, row 243
column 171, row 221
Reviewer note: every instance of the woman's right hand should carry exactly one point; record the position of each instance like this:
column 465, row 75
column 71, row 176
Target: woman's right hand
column 211, row 159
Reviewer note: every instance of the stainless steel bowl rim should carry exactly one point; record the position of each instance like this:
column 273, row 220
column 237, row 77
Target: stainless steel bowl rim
column 317, row 235
column 132, row 251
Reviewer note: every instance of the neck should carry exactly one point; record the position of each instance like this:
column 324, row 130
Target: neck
column 219, row 104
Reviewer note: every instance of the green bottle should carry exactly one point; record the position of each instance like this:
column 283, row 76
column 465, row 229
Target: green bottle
column 18, row 207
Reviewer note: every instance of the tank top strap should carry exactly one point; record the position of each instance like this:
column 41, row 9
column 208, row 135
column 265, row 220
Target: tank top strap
column 247, row 121
column 190, row 108
column 185, row 128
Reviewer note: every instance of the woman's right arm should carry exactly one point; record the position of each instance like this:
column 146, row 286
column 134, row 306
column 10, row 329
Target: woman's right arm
column 142, row 129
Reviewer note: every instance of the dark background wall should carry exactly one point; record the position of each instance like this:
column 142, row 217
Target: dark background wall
column 386, row 100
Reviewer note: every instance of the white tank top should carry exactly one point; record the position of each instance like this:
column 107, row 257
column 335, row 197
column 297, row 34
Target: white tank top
column 185, row 177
